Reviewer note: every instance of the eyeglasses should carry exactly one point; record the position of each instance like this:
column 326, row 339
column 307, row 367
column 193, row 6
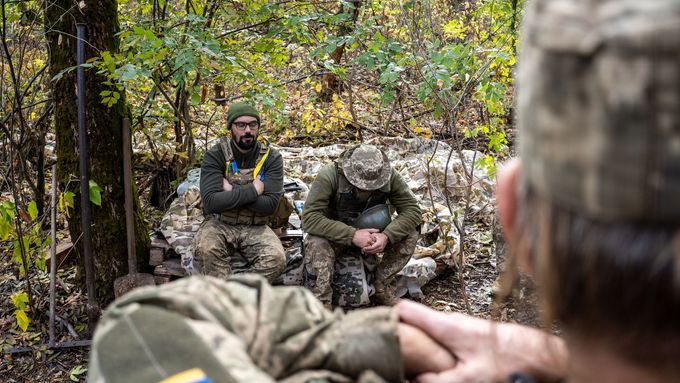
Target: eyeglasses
column 242, row 125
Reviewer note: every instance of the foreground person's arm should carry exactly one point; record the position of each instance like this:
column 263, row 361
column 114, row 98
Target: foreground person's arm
column 244, row 330
column 487, row 351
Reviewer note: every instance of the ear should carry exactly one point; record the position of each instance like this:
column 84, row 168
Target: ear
column 506, row 197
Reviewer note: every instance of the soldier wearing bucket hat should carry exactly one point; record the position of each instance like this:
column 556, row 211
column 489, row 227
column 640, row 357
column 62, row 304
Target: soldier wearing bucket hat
column 241, row 185
column 361, row 180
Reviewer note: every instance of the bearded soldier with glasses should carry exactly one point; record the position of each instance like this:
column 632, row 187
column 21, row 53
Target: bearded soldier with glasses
column 241, row 185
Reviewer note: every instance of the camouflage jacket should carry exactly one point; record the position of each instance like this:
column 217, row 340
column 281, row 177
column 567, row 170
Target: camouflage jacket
column 241, row 330
column 317, row 217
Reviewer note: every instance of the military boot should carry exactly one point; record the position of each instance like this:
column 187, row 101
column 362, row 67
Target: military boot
column 385, row 295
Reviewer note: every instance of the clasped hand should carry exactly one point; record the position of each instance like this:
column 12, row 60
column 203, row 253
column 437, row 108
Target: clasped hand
column 370, row 241
column 463, row 349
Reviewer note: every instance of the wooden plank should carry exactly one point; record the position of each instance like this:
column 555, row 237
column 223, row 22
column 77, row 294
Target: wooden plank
column 156, row 256
column 64, row 249
column 159, row 242
column 161, row 279
column 170, row 267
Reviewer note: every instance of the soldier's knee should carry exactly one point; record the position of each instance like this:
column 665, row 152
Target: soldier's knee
column 280, row 258
column 205, row 248
column 407, row 245
column 315, row 247
column 316, row 241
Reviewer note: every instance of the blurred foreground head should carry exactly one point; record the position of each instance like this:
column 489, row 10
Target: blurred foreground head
column 599, row 115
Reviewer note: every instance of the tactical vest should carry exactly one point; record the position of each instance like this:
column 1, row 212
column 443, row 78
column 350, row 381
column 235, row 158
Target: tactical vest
column 240, row 216
column 349, row 201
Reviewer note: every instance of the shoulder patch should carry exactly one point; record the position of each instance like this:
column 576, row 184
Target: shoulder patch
column 195, row 375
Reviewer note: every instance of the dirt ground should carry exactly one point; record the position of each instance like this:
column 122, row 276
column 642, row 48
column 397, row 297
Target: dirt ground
column 483, row 259
column 444, row 293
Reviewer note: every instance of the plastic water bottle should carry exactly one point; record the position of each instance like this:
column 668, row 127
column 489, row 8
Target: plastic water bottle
column 182, row 188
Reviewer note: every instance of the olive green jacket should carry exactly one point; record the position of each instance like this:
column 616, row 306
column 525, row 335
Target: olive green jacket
column 317, row 211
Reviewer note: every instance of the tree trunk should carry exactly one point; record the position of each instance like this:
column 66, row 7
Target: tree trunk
column 331, row 81
column 104, row 127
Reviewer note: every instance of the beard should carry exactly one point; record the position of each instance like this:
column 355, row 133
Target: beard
column 246, row 142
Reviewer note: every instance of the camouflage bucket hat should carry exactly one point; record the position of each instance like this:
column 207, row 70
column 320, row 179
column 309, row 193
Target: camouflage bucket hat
column 599, row 106
column 366, row 167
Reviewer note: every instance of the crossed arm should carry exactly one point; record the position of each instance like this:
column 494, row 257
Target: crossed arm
column 219, row 195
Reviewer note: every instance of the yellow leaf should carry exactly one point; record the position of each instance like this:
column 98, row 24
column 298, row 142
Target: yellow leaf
column 455, row 29
column 424, row 132
column 22, row 320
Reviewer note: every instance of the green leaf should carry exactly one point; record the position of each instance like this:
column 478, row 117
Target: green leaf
column 6, row 228
column 66, row 202
column 19, row 300
column 127, row 72
column 22, row 320
column 486, row 238
column 76, row 372
column 33, row 210
column 95, row 193
column 41, row 260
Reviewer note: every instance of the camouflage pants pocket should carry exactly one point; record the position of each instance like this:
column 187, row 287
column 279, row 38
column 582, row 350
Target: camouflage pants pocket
column 319, row 261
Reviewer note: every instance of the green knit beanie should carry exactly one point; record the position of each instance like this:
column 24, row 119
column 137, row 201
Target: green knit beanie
column 241, row 109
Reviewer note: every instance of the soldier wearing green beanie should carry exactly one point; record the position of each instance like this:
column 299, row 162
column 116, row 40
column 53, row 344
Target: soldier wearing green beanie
column 241, row 109
column 241, row 185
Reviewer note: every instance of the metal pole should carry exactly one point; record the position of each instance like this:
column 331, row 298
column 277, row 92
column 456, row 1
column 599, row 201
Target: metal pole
column 53, row 255
column 129, row 218
column 92, row 306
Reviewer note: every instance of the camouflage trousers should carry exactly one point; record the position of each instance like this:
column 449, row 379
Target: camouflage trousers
column 221, row 249
column 241, row 330
column 320, row 255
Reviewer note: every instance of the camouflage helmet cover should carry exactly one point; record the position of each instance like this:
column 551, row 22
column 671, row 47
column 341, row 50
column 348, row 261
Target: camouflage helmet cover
column 598, row 106
column 366, row 167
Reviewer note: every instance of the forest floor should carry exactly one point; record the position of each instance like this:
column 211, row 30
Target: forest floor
column 44, row 365
column 483, row 260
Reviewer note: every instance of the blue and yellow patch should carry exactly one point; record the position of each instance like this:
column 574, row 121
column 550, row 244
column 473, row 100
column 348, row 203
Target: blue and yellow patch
column 195, row 375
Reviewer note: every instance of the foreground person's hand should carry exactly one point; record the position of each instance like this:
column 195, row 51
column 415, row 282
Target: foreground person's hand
column 420, row 353
column 486, row 351
column 363, row 237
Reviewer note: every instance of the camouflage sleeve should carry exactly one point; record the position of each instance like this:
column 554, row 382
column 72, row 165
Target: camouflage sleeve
column 273, row 186
column 215, row 199
column 240, row 330
column 315, row 216
column 408, row 211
